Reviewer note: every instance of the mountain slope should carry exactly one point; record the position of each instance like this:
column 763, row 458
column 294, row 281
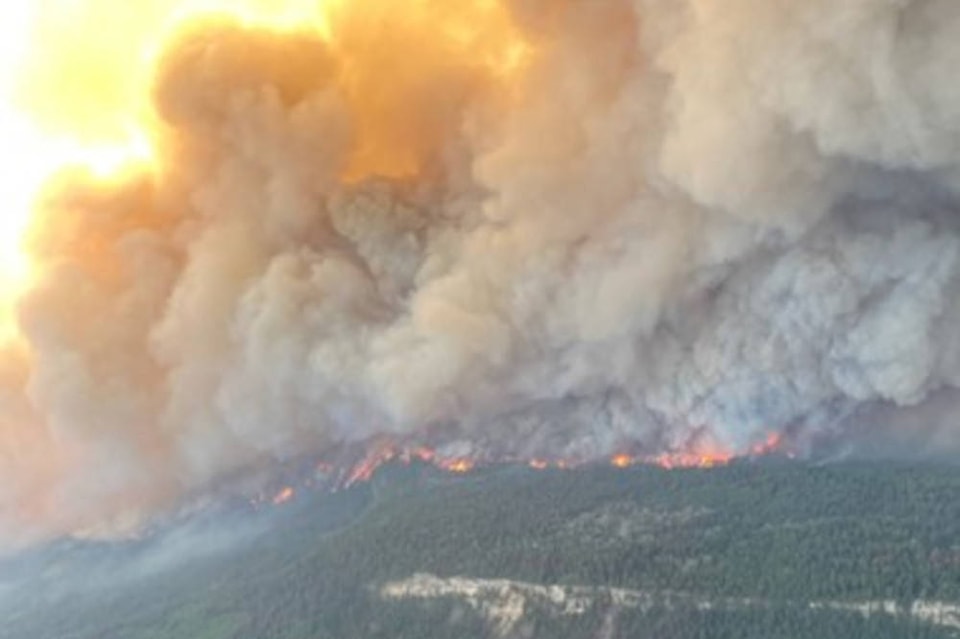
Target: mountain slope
column 757, row 549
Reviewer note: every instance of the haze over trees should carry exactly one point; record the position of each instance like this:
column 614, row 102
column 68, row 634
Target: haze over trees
column 757, row 549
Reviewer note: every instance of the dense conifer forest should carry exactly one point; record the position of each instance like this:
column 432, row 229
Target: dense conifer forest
column 763, row 549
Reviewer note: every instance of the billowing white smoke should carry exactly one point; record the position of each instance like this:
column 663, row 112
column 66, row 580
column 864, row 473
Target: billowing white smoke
column 683, row 218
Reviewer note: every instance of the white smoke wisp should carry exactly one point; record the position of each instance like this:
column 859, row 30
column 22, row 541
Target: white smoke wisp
column 677, row 217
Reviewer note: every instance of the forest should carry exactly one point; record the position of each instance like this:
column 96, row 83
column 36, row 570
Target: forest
column 761, row 548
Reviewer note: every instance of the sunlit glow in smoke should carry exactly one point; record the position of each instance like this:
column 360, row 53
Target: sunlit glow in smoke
column 464, row 232
column 75, row 85
column 74, row 91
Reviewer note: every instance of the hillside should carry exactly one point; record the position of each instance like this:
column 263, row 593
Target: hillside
column 757, row 549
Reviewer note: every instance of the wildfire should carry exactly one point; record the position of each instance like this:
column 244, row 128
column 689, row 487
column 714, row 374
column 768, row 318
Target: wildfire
column 364, row 470
column 676, row 459
column 701, row 454
column 282, row 497
column 458, row 465
column 383, row 453
column 692, row 460
column 423, row 454
column 706, row 455
column 76, row 80
column 773, row 443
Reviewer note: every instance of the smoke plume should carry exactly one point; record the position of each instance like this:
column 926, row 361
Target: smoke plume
column 530, row 226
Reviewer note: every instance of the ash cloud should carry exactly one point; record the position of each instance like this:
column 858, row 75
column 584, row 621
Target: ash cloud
column 671, row 220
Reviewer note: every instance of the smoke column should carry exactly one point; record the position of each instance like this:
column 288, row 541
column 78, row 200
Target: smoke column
column 538, row 227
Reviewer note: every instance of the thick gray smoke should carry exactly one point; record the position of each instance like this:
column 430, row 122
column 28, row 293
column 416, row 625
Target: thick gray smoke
column 675, row 219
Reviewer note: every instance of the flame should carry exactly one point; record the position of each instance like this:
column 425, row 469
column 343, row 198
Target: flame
column 695, row 459
column 458, row 465
column 364, row 471
column 282, row 497
column 699, row 452
column 421, row 454
column 382, row 453
column 774, row 442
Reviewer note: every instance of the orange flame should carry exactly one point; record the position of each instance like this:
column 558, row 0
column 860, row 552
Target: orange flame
column 422, row 454
column 695, row 459
column 700, row 453
column 365, row 470
column 459, row 465
column 282, row 497
column 773, row 443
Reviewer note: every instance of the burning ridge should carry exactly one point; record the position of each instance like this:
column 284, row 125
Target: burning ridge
column 560, row 230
